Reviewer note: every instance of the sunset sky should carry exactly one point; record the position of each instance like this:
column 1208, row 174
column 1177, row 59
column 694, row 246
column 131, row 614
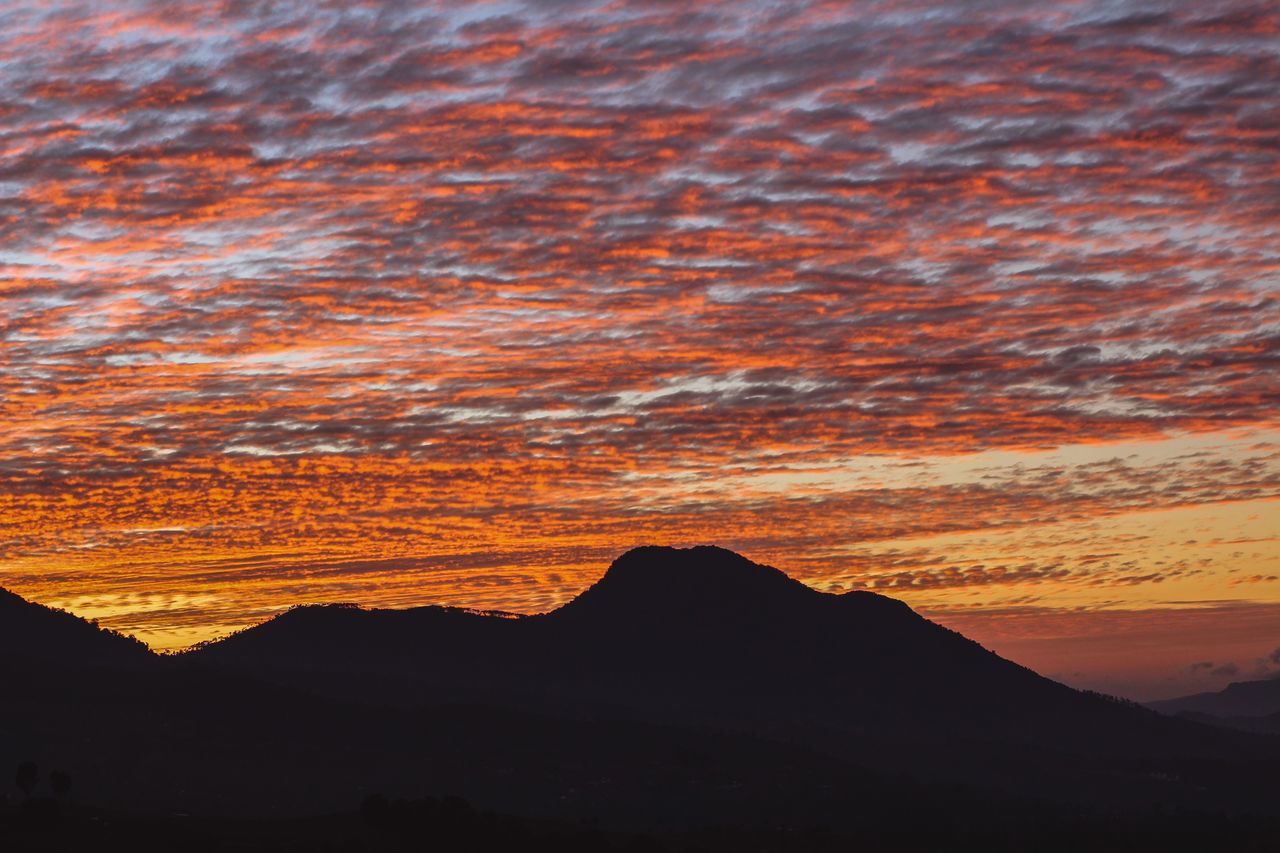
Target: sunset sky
column 976, row 305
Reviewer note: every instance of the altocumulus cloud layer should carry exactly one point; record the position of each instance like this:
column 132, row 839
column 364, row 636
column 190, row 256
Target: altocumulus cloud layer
column 298, row 299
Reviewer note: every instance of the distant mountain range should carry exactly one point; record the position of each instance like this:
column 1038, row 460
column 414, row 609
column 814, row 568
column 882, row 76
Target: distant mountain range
column 685, row 685
column 1248, row 705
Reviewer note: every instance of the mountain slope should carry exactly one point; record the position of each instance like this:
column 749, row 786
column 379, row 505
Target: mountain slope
column 1238, row 699
column 704, row 636
column 686, row 685
column 138, row 732
column 707, row 625
column 33, row 633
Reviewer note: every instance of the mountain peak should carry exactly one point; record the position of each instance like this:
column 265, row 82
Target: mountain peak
column 700, row 579
column 702, row 564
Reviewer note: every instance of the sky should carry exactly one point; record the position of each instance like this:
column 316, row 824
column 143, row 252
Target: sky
column 973, row 304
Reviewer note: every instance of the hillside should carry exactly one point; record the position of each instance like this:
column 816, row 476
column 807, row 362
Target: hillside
column 685, row 687
column 705, row 637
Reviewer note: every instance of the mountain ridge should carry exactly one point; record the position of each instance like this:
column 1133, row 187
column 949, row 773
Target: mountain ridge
column 697, row 635
column 665, row 648
column 1252, row 706
column 49, row 634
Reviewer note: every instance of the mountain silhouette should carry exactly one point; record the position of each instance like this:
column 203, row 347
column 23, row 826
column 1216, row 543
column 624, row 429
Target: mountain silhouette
column 704, row 637
column 1238, row 699
column 694, row 583
column 708, row 628
column 1246, row 705
column 685, row 685
column 697, row 627
column 158, row 734
column 35, row 633
column 691, row 635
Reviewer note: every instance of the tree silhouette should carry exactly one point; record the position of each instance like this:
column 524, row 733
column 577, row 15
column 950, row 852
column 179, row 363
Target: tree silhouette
column 27, row 776
column 60, row 782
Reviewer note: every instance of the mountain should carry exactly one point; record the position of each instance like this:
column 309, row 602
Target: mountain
column 1251, row 706
column 699, row 634
column 686, row 687
column 1238, row 699
column 704, row 637
column 33, row 633
column 150, row 735
column 704, row 628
